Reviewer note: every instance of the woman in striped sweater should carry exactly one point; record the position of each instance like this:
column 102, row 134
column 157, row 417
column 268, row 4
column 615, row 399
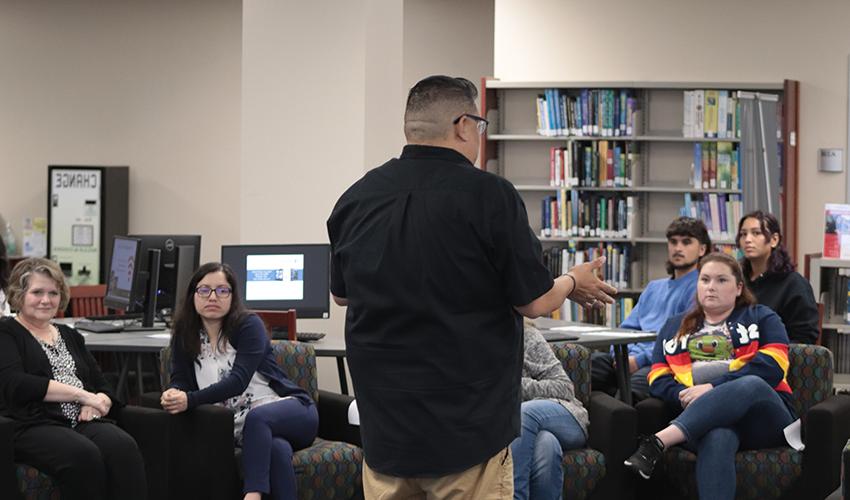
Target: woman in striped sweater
column 722, row 366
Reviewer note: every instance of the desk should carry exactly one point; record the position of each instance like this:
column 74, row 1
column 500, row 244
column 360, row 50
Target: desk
column 151, row 342
column 617, row 337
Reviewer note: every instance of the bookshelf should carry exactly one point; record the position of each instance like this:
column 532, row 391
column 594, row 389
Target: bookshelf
column 659, row 178
column 829, row 279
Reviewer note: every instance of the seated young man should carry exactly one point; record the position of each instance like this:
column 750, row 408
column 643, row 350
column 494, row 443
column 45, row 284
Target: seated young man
column 687, row 242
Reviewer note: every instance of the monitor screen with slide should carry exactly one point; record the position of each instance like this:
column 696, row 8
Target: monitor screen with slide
column 279, row 277
column 123, row 270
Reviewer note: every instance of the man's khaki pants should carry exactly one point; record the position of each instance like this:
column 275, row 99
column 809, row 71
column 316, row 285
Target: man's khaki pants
column 491, row 480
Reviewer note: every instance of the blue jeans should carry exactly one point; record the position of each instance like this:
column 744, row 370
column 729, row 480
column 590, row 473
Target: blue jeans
column 272, row 432
column 745, row 413
column 547, row 430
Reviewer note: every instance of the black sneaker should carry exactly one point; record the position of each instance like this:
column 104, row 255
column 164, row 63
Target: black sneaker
column 643, row 460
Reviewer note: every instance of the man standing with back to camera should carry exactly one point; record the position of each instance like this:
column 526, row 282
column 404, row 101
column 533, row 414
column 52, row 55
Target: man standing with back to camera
column 437, row 265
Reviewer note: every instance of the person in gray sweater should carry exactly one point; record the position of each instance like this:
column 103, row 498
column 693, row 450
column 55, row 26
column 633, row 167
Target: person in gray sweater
column 553, row 421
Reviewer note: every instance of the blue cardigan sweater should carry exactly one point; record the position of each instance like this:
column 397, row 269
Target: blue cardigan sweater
column 253, row 354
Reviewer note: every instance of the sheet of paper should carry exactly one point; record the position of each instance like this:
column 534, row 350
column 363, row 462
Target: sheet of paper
column 159, row 336
column 609, row 333
column 577, row 329
column 353, row 413
column 793, row 435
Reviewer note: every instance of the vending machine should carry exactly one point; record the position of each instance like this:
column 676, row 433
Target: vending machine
column 86, row 207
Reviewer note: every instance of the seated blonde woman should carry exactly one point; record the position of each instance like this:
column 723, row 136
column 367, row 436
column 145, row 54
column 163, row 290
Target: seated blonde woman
column 51, row 386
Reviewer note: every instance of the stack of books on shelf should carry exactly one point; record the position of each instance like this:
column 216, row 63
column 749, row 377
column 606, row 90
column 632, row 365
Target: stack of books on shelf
column 716, row 166
column 596, row 164
column 839, row 344
column 588, row 215
column 720, row 212
column 712, row 114
column 611, row 316
column 587, row 112
column 617, row 272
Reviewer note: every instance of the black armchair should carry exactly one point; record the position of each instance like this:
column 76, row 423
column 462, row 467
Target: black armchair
column 206, row 464
column 149, row 427
column 777, row 472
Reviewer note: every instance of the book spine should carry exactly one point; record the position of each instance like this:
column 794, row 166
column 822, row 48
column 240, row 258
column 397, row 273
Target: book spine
column 699, row 119
column 711, row 113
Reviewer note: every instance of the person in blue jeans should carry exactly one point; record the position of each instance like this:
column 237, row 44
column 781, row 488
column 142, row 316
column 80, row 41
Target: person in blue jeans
column 553, row 421
column 221, row 354
column 723, row 365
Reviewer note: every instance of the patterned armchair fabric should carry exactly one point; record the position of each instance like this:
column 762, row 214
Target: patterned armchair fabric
column 589, row 472
column 327, row 469
column 780, row 472
column 35, row 485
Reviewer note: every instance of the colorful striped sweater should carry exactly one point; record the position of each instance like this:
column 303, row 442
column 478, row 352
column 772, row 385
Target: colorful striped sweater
column 760, row 348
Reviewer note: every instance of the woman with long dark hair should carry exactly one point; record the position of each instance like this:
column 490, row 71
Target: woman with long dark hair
column 722, row 366
column 221, row 354
column 769, row 273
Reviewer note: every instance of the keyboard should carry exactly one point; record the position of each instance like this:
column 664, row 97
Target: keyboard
column 98, row 327
column 309, row 336
column 113, row 317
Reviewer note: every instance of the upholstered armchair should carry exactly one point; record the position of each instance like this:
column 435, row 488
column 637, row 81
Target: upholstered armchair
column 597, row 472
column 781, row 472
column 206, row 464
column 149, row 427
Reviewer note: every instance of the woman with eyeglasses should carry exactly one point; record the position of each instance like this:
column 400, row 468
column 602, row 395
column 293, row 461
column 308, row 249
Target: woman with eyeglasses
column 221, row 355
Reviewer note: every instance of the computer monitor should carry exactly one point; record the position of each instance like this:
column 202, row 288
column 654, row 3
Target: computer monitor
column 128, row 287
column 189, row 247
column 280, row 277
column 123, row 271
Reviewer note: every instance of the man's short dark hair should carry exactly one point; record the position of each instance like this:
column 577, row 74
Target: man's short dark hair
column 440, row 88
column 434, row 102
column 688, row 226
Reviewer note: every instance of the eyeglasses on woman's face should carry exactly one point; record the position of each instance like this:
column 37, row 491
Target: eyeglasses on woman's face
column 221, row 292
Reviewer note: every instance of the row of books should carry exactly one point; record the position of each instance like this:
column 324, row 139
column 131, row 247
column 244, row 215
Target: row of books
column 588, row 215
column 597, row 164
column 839, row 344
column 589, row 112
column 720, row 212
column 716, row 165
column 611, row 316
column 711, row 113
column 836, row 300
column 617, row 270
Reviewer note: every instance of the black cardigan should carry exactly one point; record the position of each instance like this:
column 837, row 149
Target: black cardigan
column 25, row 373
column 791, row 296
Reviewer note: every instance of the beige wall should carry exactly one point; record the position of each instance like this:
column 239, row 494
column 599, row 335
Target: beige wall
column 270, row 107
column 154, row 85
column 448, row 37
column 724, row 40
column 324, row 85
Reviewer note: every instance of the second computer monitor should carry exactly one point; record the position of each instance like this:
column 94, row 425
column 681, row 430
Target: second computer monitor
column 280, row 277
column 172, row 263
column 123, row 271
